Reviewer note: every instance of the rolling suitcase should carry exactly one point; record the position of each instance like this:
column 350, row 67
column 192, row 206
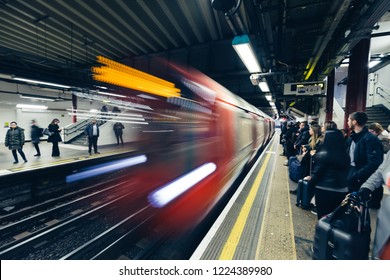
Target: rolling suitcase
column 305, row 193
column 344, row 234
column 294, row 169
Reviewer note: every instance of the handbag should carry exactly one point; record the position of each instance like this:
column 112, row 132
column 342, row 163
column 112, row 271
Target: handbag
column 47, row 132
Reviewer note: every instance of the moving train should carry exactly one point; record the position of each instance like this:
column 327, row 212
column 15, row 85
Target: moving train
column 202, row 137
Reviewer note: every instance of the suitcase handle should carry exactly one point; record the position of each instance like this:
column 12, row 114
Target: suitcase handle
column 353, row 205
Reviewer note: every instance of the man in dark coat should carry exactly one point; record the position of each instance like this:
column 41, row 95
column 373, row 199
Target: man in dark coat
column 303, row 136
column 92, row 131
column 118, row 130
column 36, row 133
column 365, row 151
column 14, row 140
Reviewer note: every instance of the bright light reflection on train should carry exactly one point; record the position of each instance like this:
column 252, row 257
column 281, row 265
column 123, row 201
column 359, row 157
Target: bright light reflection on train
column 170, row 191
column 105, row 168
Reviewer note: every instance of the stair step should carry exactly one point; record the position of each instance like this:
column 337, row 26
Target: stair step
column 376, row 114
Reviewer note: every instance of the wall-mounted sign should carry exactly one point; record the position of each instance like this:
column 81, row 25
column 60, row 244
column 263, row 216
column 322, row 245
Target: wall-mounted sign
column 305, row 89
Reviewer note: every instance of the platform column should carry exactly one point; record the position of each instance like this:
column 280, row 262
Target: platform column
column 74, row 108
column 330, row 97
column 357, row 79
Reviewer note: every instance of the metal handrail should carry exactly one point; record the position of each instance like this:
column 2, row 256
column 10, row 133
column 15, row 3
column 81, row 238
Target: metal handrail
column 381, row 91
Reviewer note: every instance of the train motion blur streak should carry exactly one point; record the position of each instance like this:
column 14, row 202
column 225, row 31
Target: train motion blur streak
column 204, row 127
column 105, row 168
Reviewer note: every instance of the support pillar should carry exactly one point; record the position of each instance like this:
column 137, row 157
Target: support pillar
column 357, row 79
column 330, row 97
column 74, row 108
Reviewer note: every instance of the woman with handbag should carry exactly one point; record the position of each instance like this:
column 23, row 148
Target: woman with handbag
column 55, row 137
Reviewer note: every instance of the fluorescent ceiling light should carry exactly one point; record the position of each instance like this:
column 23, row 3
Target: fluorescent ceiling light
column 37, row 97
column 268, row 97
column 264, row 87
column 243, row 47
column 28, row 106
column 41, row 82
column 373, row 63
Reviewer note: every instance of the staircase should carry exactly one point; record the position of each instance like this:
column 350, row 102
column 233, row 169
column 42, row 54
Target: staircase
column 379, row 114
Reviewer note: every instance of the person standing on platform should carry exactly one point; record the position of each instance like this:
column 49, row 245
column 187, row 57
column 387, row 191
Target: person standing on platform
column 55, row 137
column 329, row 173
column 36, row 133
column 92, row 131
column 382, row 134
column 14, row 140
column 366, row 153
column 118, row 129
column 302, row 138
column 380, row 178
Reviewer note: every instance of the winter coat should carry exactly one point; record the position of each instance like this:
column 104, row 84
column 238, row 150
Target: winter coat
column 118, row 128
column 36, row 133
column 331, row 163
column 14, row 139
column 303, row 137
column 89, row 130
column 55, row 137
column 381, row 177
column 368, row 155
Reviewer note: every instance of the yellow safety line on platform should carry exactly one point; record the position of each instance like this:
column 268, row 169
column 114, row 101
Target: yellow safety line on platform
column 269, row 219
column 235, row 235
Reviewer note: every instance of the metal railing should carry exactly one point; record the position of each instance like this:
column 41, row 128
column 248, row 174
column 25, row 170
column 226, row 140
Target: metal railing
column 383, row 93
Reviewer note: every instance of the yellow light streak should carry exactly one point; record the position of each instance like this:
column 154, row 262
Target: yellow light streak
column 125, row 76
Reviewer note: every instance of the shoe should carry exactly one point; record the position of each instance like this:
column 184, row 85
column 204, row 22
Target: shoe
column 313, row 210
column 25, row 160
column 282, row 154
column 37, row 155
column 293, row 191
column 15, row 162
column 97, row 153
column 285, row 163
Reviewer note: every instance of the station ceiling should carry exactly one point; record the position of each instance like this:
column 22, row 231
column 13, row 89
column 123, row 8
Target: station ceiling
column 295, row 40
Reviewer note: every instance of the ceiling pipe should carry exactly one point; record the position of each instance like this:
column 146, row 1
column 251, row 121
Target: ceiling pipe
column 322, row 42
column 368, row 20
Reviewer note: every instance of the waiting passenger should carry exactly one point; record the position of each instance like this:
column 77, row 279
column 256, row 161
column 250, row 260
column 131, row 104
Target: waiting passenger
column 308, row 151
column 329, row 173
column 55, row 137
column 289, row 140
column 303, row 137
column 92, row 131
column 14, row 140
column 382, row 134
column 381, row 176
column 118, row 130
column 36, row 133
column 315, row 142
column 366, row 152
